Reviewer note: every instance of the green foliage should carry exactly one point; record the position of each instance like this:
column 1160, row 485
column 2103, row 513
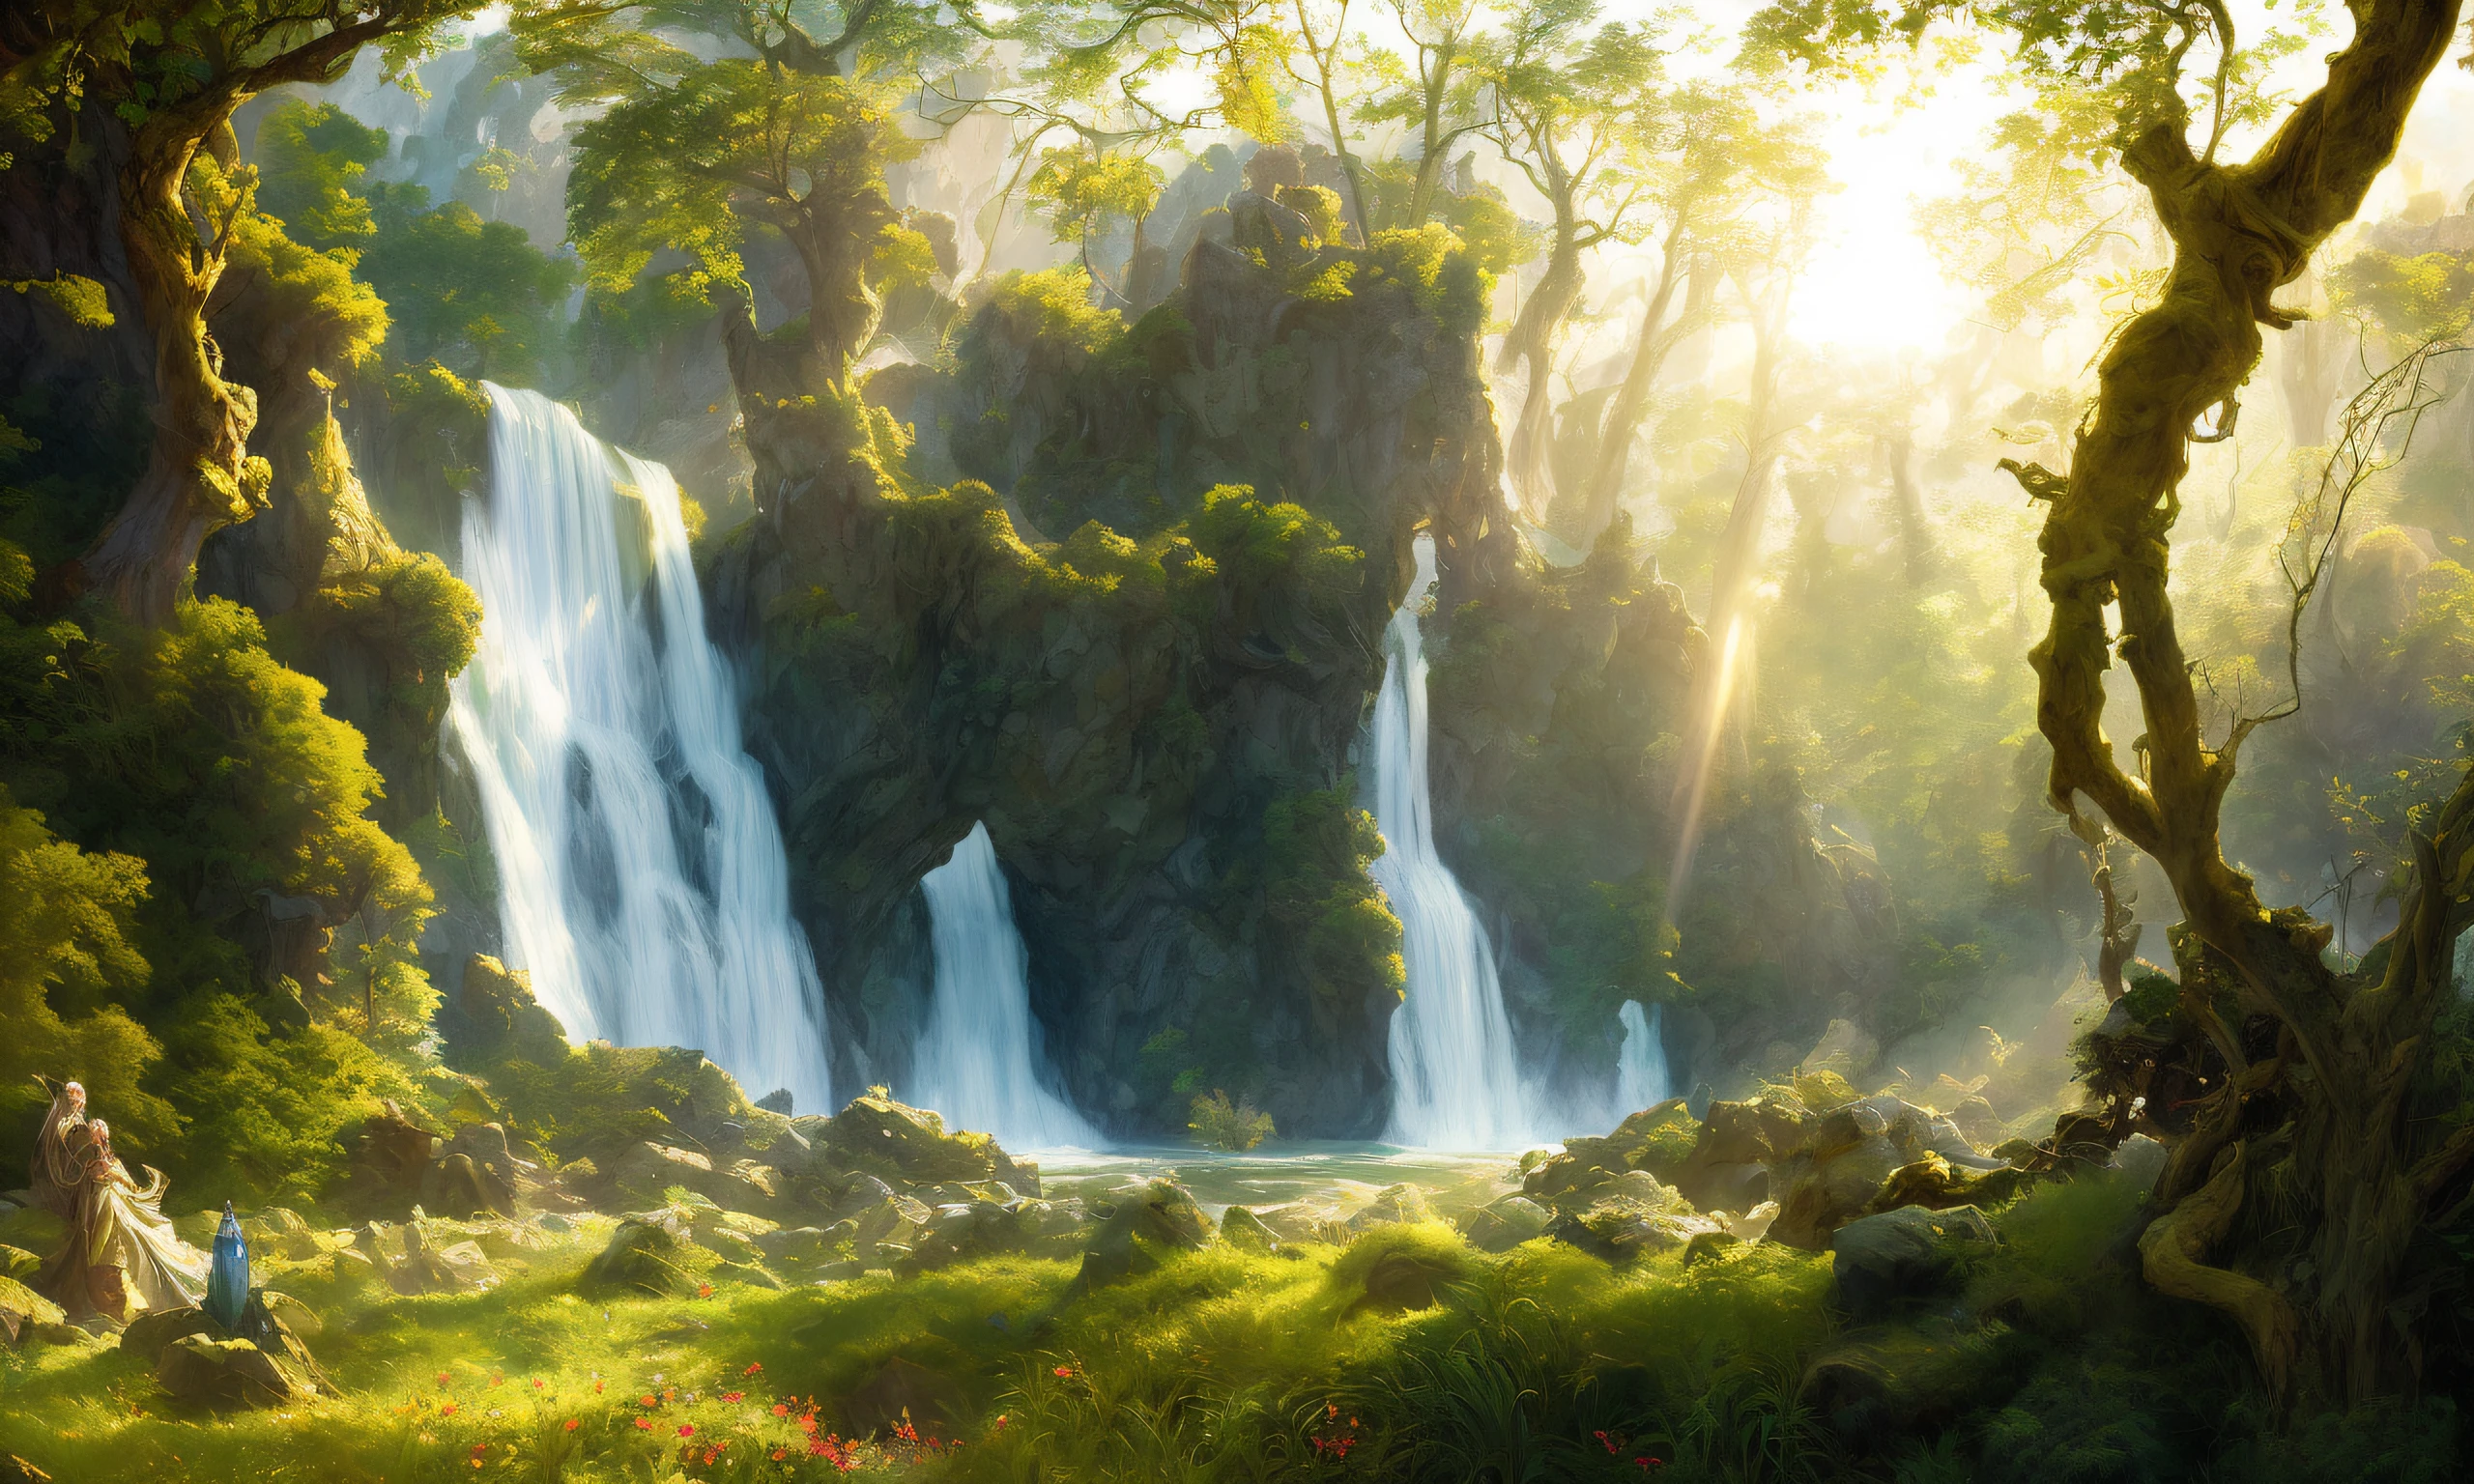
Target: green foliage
column 1215, row 1121
column 1052, row 304
column 473, row 296
column 82, row 301
column 310, row 159
column 264, row 1112
column 2408, row 300
column 1316, row 848
column 310, row 291
column 65, row 919
column 192, row 749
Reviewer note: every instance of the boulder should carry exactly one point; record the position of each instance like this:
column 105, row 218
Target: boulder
column 876, row 1134
column 278, row 1232
column 1392, row 1205
column 801, row 1247
column 1144, row 1227
column 455, row 1187
column 1503, row 1224
column 460, row 1268
column 149, row 1332
column 22, row 1311
column 494, row 1171
column 204, row 1372
column 20, row 1264
column 1882, row 1261
column 1303, row 1221
column 1935, row 1184
column 648, row 1254
column 389, row 1160
column 495, row 1018
column 1727, row 1167
column 1620, row 1228
column 1245, row 1229
column 967, row 1229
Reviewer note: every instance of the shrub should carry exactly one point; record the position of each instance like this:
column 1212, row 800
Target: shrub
column 1236, row 1127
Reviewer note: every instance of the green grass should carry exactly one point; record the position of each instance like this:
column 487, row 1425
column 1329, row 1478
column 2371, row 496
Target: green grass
column 1223, row 1364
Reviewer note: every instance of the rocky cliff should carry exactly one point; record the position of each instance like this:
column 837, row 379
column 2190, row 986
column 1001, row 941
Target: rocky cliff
column 1159, row 715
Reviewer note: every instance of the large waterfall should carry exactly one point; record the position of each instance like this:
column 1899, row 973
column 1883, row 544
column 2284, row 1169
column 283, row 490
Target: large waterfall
column 978, row 1062
column 1455, row 1083
column 642, row 879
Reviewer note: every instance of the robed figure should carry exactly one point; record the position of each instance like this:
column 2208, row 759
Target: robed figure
column 120, row 1255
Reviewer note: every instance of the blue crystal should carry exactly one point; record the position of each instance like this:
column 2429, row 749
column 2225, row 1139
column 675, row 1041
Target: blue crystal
column 227, row 1286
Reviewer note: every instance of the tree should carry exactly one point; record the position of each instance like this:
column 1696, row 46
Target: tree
column 787, row 130
column 1578, row 112
column 156, row 84
column 1426, row 86
column 2325, row 1116
column 1723, row 164
column 1086, row 190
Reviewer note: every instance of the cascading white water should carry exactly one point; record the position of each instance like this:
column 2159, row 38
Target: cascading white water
column 978, row 1062
column 1455, row 1083
column 1641, row 1077
column 642, row 879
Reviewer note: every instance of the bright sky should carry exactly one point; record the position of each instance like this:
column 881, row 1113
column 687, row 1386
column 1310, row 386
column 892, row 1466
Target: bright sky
column 1872, row 281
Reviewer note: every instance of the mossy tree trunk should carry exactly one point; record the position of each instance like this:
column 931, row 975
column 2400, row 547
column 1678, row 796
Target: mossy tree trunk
column 200, row 476
column 1602, row 487
column 1531, row 340
column 2326, row 1119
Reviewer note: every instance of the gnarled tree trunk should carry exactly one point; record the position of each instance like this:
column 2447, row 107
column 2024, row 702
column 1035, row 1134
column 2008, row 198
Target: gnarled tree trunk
column 1531, row 339
column 1601, row 489
column 2349, row 1046
column 199, row 476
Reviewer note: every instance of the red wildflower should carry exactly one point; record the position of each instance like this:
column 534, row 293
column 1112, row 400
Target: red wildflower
column 781, row 1409
column 687, row 1429
column 753, row 1366
column 447, row 1411
column 573, row 1423
column 443, row 1378
column 1064, row 1370
column 643, row 1424
column 703, row 1289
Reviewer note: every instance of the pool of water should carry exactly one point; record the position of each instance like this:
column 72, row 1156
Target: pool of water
column 1339, row 1172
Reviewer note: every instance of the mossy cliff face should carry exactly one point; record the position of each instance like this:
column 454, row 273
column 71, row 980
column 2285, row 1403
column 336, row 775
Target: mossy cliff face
column 1158, row 727
column 1160, row 715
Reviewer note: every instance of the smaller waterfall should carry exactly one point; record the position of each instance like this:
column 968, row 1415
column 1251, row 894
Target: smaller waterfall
column 643, row 882
column 1455, row 1083
column 977, row 1063
column 1641, row 1079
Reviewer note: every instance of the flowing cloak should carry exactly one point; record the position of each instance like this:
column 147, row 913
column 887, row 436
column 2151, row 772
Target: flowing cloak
column 55, row 1167
column 120, row 1224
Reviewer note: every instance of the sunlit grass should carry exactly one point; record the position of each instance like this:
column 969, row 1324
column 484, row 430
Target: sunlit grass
column 1223, row 1365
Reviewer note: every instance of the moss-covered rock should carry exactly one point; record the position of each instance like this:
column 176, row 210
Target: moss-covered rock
column 874, row 1133
column 1140, row 1229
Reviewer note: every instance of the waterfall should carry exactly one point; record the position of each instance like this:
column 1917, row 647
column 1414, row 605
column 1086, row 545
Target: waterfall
column 1641, row 1077
column 642, row 879
column 977, row 1064
column 1454, row 1081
